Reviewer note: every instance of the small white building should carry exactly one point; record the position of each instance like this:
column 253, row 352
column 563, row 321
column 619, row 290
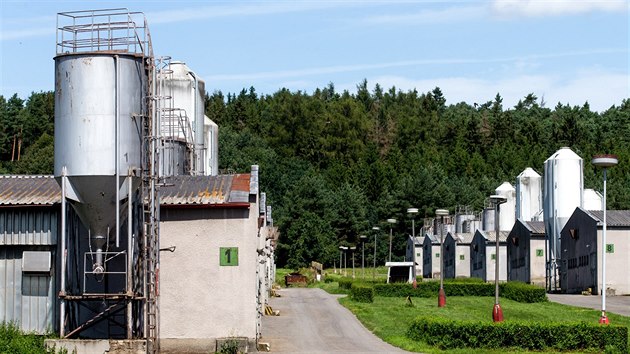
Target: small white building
column 212, row 241
column 582, row 252
column 431, row 256
column 483, row 255
column 462, row 255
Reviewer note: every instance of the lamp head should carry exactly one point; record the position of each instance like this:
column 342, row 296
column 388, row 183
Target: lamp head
column 441, row 212
column 375, row 228
column 412, row 211
column 391, row 221
column 497, row 199
column 605, row 160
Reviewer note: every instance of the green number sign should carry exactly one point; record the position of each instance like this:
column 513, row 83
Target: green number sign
column 437, row 255
column 228, row 256
column 539, row 253
column 610, row 248
column 493, row 256
column 461, row 257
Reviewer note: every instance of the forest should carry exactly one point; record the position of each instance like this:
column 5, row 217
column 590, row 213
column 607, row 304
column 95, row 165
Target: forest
column 335, row 164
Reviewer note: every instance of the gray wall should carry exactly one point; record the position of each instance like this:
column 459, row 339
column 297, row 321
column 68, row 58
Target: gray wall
column 579, row 254
column 28, row 298
column 478, row 257
column 518, row 252
column 449, row 257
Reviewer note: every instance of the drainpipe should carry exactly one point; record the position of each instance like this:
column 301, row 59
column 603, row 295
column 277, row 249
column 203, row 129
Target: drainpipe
column 200, row 168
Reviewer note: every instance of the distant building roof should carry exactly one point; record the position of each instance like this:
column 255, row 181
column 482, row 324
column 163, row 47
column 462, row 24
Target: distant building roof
column 491, row 235
column 464, row 238
column 614, row 218
column 222, row 190
column 535, row 227
column 29, row 190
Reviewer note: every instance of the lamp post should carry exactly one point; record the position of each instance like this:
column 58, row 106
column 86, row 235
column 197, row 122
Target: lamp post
column 604, row 161
column 340, row 258
column 352, row 249
column 391, row 235
column 363, row 238
column 376, row 229
column 497, row 313
column 441, row 295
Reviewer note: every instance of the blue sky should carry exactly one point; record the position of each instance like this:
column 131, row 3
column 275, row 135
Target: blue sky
column 567, row 51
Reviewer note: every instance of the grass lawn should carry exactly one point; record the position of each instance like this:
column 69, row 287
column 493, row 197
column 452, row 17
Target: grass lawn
column 389, row 318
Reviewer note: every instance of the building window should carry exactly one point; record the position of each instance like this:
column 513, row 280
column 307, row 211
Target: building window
column 539, row 253
column 610, row 248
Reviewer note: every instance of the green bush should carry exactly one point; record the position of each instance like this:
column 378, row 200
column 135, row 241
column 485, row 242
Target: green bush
column 516, row 291
column 345, row 283
column 447, row 334
column 521, row 292
column 13, row 340
column 362, row 293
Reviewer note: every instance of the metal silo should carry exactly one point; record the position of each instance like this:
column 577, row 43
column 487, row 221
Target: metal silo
column 508, row 209
column 562, row 193
column 105, row 143
column 99, row 101
column 487, row 219
column 528, row 194
column 212, row 147
column 187, row 92
column 593, row 200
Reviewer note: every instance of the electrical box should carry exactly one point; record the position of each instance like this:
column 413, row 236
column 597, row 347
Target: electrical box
column 36, row 261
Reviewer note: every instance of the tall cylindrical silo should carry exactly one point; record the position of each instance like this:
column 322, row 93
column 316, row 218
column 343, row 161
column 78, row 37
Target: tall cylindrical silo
column 212, row 147
column 188, row 91
column 593, row 200
column 487, row 219
column 528, row 194
column 508, row 209
column 99, row 104
column 562, row 193
column 461, row 220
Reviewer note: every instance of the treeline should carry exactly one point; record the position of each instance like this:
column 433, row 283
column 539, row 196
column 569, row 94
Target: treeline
column 335, row 164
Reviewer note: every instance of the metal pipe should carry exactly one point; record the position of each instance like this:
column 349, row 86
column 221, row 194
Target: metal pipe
column 496, row 256
column 62, row 302
column 198, row 129
column 129, row 257
column 117, row 160
column 604, row 254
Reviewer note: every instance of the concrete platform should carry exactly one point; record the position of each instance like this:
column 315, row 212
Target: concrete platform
column 615, row 304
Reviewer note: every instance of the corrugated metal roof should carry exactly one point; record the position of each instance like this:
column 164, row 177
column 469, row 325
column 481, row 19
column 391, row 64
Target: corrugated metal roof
column 29, row 190
column 464, row 238
column 206, row 190
column 491, row 235
column 614, row 218
column 536, row 227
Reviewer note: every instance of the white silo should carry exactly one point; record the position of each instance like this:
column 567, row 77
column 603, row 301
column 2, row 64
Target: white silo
column 211, row 130
column 508, row 209
column 562, row 193
column 487, row 219
column 592, row 200
column 528, row 194
column 187, row 91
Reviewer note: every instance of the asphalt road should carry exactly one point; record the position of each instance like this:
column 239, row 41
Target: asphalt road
column 614, row 304
column 313, row 321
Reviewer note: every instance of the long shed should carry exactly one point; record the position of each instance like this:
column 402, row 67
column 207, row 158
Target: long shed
column 526, row 252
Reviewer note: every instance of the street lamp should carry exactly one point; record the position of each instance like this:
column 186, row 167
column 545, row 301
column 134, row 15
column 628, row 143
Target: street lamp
column 363, row 238
column 441, row 295
column 376, row 229
column 345, row 260
column 340, row 258
column 391, row 235
column 497, row 313
column 604, row 161
column 352, row 249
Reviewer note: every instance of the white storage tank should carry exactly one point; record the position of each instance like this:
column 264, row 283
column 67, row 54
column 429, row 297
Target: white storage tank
column 461, row 222
column 528, row 194
column 487, row 219
column 211, row 130
column 593, row 200
column 508, row 209
column 562, row 193
column 188, row 92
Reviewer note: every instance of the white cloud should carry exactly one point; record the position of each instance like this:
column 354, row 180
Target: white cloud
column 446, row 15
column 537, row 8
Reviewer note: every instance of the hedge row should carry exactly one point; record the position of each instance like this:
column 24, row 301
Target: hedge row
column 516, row 291
column 362, row 293
column 447, row 334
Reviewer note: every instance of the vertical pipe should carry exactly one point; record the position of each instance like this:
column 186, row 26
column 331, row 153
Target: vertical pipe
column 198, row 130
column 129, row 258
column 374, row 269
column 441, row 252
column 117, row 143
column 62, row 308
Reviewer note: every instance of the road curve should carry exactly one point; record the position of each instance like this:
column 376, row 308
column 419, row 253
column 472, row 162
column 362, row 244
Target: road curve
column 313, row 321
